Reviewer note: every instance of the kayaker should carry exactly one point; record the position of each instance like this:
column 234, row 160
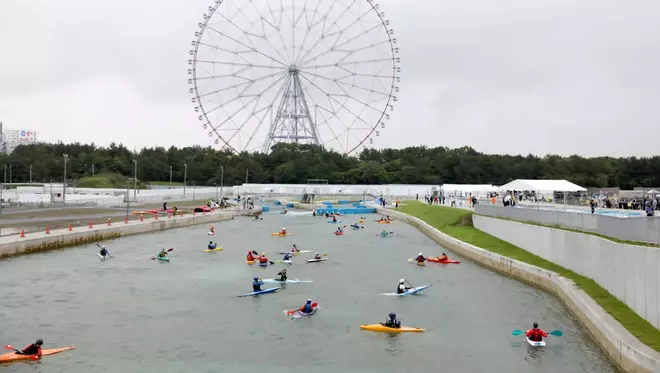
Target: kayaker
column 355, row 225
column 256, row 284
column 104, row 252
column 262, row 258
column 282, row 275
column 212, row 245
column 392, row 322
column 212, row 229
column 340, row 230
column 388, row 218
column 307, row 308
column 361, row 220
column 283, row 232
column 443, row 257
column 313, row 212
column 402, row 288
column 420, row 258
column 250, row 257
column 285, row 211
column 33, row 349
column 327, row 215
column 317, row 255
column 295, row 249
column 384, row 233
column 162, row 253
column 334, row 219
column 535, row 334
column 286, row 256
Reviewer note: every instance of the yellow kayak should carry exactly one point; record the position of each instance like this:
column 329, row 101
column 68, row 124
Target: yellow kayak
column 381, row 328
column 280, row 234
column 421, row 263
column 250, row 261
column 212, row 250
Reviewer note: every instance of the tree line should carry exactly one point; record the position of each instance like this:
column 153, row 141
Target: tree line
column 294, row 163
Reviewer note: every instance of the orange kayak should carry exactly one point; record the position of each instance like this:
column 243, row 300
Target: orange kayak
column 446, row 261
column 12, row 356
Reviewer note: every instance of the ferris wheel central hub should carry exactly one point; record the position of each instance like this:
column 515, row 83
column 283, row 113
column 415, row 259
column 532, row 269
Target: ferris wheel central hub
column 293, row 69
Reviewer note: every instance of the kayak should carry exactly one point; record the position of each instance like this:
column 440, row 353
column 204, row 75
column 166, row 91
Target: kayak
column 250, row 261
column 535, row 344
column 212, row 250
column 211, row 233
column 334, row 222
column 299, row 314
column 412, row 291
column 338, row 233
column 383, row 222
column 296, row 252
column 356, row 228
column 165, row 259
column 104, row 257
column 265, row 291
column 313, row 305
column 381, row 328
column 12, row 356
column 280, row 234
column 447, row 261
column 288, row 281
column 316, row 260
column 386, row 235
column 264, row 264
column 422, row 264
column 286, row 261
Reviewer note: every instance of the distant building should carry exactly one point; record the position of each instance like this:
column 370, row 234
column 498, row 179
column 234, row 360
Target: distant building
column 10, row 139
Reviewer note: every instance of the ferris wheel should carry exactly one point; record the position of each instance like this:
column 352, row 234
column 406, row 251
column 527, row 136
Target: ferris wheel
column 321, row 72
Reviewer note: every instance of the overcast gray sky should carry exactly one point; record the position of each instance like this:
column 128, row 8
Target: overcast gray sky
column 506, row 76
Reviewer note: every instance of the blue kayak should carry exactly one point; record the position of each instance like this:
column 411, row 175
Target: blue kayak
column 334, row 222
column 355, row 228
column 264, row 264
column 410, row 291
column 265, row 291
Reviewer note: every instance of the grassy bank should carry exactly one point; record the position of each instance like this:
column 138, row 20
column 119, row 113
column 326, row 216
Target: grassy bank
column 109, row 181
column 458, row 223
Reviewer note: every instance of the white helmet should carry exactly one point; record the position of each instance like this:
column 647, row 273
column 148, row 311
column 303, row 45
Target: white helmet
column 283, row 229
column 420, row 254
column 402, row 281
column 317, row 253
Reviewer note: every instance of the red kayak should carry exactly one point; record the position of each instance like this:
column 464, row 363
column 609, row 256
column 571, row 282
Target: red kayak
column 339, row 233
column 447, row 261
column 12, row 357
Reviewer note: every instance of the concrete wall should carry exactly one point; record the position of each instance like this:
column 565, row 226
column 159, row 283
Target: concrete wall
column 628, row 272
column 639, row 229
column 623, row 348
column 57, row 239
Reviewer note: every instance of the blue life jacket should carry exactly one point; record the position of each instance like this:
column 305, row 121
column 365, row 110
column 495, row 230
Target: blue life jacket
column 308, row 308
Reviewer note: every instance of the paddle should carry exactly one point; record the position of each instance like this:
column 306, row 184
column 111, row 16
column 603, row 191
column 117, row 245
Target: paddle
column 291, row 312
column 168, row 251
column 10, row 347
column 556, row 333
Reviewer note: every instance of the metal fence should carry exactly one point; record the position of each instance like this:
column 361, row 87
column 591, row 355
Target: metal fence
column 637, row 229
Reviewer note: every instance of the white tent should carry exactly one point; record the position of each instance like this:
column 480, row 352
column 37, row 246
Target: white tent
column 543, row 186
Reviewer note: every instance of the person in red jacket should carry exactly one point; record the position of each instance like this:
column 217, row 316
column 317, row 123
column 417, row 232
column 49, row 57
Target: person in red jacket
column 262, row 258
column 33, row 349
column 536, row 334
column 250, row 257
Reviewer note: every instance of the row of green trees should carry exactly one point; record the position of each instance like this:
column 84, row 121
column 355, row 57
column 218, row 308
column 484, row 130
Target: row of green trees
column 292, row 163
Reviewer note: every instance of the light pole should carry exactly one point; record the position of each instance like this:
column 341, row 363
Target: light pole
column 128, row 198
column 66, row 156
column 170, row 177
column 30, row 174
column 5, row 179
column 193, row 184
column 92, row 169
column 222, row 179
column 185, row 176
column 10, row 176
column 135, row 180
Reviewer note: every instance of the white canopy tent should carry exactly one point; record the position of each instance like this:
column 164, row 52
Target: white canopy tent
column 540, row 186
column 543, row 186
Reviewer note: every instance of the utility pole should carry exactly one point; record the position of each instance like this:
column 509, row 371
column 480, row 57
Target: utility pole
column 30, row 174
column 246, row 176
column 222, row 179
column 10, row 176
column 170, row 177
column 128, row 198
column 135, row 181
column 185, row 177
column 66, row 156
column 92, row 169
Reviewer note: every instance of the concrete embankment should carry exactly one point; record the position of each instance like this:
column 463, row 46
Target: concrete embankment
column 622, row 347
column 626, row 351
column 62, row 238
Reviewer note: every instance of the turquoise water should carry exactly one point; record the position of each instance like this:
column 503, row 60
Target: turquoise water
column 134, row 314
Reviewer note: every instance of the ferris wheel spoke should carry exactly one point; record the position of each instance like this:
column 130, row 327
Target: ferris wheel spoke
column 337, row 44
column 247, row 83
column 339, row 82
column 247, row 46
column 248, row 65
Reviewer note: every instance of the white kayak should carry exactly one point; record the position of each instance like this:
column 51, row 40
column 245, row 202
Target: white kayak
column 287, row 261
column 412, row 291
column 211, row 233
column 288, row 281
column 316, row 260
column 104, row 257
column 535, row 344
column 295, row 252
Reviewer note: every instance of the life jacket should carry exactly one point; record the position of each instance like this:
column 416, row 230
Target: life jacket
column 420, row 258
column 250, row 258
column 263, row 259
column 307, row 308
column 32, row 349
column 535, row 335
